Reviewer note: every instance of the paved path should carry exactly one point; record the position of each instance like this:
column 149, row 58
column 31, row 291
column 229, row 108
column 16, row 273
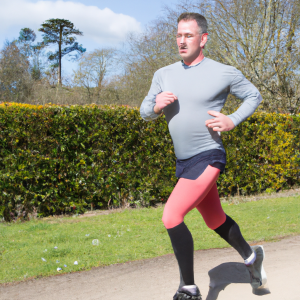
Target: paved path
column 158, row 278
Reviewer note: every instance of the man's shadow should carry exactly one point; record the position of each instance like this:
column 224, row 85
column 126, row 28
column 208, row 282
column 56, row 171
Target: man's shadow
column 227, row 273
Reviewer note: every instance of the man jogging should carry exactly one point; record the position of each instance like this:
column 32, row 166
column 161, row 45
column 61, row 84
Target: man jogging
column 190, row 93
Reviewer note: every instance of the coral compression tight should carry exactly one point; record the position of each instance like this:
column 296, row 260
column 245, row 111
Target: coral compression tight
column 202, row 194
column 188, row 194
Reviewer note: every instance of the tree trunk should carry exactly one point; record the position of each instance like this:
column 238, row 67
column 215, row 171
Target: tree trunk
column 59, row 55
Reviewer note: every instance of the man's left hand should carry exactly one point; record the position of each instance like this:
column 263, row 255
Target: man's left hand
column 220, row 122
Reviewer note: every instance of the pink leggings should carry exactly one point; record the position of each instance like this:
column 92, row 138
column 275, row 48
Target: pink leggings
column 201, row 193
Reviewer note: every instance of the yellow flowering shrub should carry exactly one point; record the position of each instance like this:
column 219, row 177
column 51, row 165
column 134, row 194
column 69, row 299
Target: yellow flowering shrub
column 56, row 158
column 262, row 152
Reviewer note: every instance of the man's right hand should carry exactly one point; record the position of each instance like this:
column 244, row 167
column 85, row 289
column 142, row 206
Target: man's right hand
column 162, row 100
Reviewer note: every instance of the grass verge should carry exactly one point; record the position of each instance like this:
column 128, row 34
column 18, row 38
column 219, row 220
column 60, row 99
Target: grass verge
column 131, row 234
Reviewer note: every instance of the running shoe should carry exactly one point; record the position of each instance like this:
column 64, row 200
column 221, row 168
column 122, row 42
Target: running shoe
column 188, row 292
column 257, row 272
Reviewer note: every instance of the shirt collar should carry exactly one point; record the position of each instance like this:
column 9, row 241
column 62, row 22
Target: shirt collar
column 187, row 67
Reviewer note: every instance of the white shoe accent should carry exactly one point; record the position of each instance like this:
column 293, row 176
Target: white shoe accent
column 251, row 259
column 263, row 272
column 263, row 276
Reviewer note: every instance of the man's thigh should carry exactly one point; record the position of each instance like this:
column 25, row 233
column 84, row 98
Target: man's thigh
column 211, row 209
column 188, row 193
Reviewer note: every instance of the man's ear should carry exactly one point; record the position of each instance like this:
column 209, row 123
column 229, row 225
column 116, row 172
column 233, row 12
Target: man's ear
column 203, row 40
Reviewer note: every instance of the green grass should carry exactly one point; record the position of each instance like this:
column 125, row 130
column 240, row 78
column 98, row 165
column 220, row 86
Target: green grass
column 126, row 236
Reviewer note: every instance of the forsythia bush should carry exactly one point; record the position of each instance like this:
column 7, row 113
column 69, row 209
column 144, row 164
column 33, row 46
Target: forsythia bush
column 56, row 158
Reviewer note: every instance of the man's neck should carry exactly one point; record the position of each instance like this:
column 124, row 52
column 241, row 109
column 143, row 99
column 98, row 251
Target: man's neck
column 196, row 61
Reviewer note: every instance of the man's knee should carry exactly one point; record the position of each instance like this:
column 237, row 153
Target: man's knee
column 171, row 220
column 215, row 221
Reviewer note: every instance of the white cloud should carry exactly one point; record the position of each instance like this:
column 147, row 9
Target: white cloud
column 101, row 26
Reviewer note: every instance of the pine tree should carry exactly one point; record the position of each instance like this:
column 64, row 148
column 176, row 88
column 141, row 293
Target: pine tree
column 60, row 32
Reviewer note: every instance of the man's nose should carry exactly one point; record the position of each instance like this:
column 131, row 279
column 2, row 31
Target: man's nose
column 182, row 40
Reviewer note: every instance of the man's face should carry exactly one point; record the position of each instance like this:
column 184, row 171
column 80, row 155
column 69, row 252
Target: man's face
column 189, row 40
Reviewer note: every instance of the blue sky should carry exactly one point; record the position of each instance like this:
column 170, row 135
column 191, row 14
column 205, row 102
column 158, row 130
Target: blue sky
column 103, row 22
column 142, row 10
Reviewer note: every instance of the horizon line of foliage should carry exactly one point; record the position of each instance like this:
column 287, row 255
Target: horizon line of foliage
column 56, row 158
column 123, row 74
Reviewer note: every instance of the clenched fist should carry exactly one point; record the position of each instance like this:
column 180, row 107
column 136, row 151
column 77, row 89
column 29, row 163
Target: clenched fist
column 162, row 100
column 220, row 122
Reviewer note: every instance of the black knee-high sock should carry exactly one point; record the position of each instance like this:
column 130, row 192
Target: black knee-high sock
column 231, row 233
column 183, row 246
column 181, row 283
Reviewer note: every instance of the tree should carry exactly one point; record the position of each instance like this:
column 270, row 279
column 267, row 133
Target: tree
column 26, row 37
column 265, row 48
column 142, row 55
column 60, row 32
column 15, row 81
column 93, row 69
column 262, row 39
column 33, row 52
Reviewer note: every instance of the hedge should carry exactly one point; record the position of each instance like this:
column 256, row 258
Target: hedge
column 55, row 158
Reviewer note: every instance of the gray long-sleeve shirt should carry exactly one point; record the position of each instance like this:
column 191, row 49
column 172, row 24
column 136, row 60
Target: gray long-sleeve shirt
column 199, row 88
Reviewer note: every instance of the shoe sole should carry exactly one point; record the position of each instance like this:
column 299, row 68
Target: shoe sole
column 183, row 296
column 263, row 289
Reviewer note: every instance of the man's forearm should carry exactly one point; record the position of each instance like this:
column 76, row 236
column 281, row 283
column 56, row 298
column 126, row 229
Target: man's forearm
column 243, row 89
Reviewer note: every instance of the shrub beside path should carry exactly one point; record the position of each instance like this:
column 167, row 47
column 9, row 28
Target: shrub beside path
column 157, row 278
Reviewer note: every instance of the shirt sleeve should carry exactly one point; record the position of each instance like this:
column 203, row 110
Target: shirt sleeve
column 147, row 106
column 248, row 93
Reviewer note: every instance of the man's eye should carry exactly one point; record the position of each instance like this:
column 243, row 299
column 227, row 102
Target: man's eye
column 179, row 36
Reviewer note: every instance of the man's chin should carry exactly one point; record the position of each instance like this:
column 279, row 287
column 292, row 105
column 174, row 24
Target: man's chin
column 184, row 55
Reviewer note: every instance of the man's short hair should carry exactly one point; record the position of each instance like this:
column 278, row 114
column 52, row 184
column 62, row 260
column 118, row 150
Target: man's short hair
column 201, row 21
